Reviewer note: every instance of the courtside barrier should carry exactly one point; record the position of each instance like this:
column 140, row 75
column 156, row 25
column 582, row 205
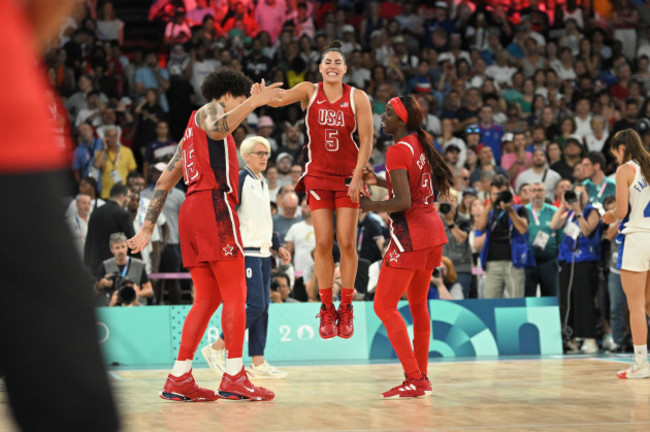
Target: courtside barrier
column 149, row 336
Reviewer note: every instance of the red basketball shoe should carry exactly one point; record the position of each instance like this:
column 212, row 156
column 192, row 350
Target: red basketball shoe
column 184, row 389
column 328, row 316
column 345, row 324
column 239, row 387
column 409, row 388
column 428, row 388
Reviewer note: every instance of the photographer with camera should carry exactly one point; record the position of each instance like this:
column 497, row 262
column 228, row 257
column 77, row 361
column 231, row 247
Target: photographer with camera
column 281, row 289
column 457, row 248
column 444, row 285
column 544, row 243
column 506, row 253
column 580, row 252
column 122, row 280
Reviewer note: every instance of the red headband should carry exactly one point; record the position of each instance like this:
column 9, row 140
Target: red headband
column 399, row 109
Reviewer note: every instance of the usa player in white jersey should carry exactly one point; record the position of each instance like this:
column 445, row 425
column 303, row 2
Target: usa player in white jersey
column 633, row 210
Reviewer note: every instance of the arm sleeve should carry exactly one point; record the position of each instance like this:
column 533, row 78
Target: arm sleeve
column 101, row 271
column 523, row 213
column 398, row 156
column 275, row 240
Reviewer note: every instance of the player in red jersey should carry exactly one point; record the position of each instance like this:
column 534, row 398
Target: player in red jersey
column 415, row 169
column 333, row 178
column 211, row 242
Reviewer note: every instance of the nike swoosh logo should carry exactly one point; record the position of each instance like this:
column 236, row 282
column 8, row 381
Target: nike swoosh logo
column 320, row 102
column 249, row 389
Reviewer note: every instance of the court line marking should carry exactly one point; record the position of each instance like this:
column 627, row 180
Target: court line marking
column 499, row 427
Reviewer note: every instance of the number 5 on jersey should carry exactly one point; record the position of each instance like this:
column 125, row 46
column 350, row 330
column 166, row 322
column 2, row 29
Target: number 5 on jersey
column 331, row 140
column 189, row 164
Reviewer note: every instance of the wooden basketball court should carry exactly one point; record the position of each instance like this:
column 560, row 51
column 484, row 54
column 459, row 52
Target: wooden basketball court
column 556, row 394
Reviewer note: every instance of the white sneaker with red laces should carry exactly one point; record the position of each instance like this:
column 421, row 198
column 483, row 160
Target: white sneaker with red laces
column 635, row 372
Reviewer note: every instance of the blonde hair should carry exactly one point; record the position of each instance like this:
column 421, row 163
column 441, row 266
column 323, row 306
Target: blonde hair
column 249, row 144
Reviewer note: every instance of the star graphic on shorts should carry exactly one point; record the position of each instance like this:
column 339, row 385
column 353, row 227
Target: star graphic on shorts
column 394, row 256
column 228, row 249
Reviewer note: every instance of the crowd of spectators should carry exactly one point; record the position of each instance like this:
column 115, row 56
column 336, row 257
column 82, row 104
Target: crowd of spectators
column 520, row 101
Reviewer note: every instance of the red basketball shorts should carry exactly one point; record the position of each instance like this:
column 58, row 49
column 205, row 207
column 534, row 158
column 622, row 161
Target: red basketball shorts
column 209, row 228
column 421, row 259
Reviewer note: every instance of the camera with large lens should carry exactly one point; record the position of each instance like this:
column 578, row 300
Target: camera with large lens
column 504, row 196
column 437, row 272
column 126, row 292
column 444, row 208
column 570, row 197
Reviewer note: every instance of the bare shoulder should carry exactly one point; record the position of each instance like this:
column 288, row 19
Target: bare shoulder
column 360, row 97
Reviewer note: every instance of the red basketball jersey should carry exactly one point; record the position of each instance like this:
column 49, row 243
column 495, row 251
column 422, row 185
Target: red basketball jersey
column 331, row 153
column 209, row 164
column 420, row 226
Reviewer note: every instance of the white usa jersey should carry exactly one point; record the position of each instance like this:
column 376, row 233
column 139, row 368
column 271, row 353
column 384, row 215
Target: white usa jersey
column 638, row 215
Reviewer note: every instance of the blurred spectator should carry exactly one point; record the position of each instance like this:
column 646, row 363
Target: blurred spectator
column 149, row 113
column 152, row 76
column 506, row 253
column 178, row 29
column 300, row 241
column 515, row 158
column 272, row 180
column 271, row 15
column 624, row 20
column 447, row 138
column 597, row 136
column 543, row 242
column 630, row 116
column 103, row 222
column 83, row 158
column 598, row 186
column 539, row 172
column 281, row 289
column 256, row 65
column 265, row 128
column 457, row 250
column 241, row 21
column 196, row 16
column 283, row 164
column 78, row 101
column 572, row 157
column 578, row 255
column 78, row 223
column 130, row 273
column 109, row 27
column 486, row 160
column 444, row 283
column 553, row 153
column 115, row 161
column 288, row 215
column 491, row 133
column 92, row 112
column 160, row 150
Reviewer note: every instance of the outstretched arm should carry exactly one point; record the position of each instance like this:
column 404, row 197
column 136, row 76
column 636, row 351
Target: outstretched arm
column 218, row 124
column 165, row 183
column 300, row 92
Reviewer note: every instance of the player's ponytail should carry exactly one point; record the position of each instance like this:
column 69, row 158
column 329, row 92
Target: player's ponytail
column 334, row 46
column 634, row 149
column 441, row 175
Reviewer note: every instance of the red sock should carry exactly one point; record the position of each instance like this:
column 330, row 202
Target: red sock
column 326, row 296
column 346, row 295
column 390, row 287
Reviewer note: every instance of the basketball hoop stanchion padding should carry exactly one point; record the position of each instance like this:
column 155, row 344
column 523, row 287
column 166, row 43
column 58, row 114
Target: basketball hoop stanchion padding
column 149, row 336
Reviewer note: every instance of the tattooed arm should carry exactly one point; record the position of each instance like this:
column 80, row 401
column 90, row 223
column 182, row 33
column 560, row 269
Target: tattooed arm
column 165, row 183
column 218, row 124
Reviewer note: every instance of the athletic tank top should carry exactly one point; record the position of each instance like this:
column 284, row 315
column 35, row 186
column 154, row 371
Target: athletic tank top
column 420, row 226
column 331, row 152
column 209, row 164
column 638, row 215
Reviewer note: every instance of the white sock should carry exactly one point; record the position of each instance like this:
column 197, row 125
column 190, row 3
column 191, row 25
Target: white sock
column 640, row 354
column 234, row 365
column 181, row 367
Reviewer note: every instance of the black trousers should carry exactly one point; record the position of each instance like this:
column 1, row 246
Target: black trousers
column 578, row 287
column 49, row 349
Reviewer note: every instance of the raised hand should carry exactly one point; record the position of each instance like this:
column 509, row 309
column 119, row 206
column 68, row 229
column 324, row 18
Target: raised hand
column 269, row 94
column 139, row 241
